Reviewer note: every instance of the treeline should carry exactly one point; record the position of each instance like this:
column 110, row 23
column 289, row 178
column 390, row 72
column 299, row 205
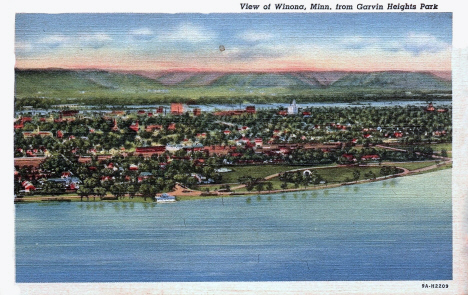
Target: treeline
column 118, row 100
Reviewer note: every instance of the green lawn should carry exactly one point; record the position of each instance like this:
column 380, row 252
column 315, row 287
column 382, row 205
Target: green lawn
column 440, row 146
column 257, row 171
column 341, row 174
column 416, row 165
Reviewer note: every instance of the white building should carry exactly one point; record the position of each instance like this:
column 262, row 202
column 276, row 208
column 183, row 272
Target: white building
column 292, row 108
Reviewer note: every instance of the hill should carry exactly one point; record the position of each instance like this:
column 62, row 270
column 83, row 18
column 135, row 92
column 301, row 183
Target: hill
column 105, row 87
column 393, row 80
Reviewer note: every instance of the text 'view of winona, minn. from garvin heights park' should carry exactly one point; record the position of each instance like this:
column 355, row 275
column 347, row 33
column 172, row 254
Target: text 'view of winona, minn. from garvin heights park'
column 157, row 107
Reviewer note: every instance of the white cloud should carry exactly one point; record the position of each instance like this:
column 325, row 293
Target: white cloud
column 252, row 36
column 54, row 41
column 187, row 32
column 95, row 40
column 23, row 47
column 358, row 42
column 142, row 34
column 419, row 43
column 414, row 43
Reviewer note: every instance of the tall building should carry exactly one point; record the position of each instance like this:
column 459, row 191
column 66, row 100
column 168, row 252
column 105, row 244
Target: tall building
column 292, row 108
column 177, row 108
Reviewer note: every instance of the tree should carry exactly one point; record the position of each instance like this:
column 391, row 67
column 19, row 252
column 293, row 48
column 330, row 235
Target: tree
column 99, row 191
column 131, row 191
column 52, row 188
column 117, row 190
column 356, row 174
column 84, row 192
column 259, row 186
column 147, row 191
column 284, row 185
column 444, row 153
column 269, row 186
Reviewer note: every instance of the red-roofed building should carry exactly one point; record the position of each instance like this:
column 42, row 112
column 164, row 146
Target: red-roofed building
column 171, row 126
column 430, row 107
column 348, row 157
column 151, row 128
column 28, row 186
column 370, row 157
column 135, row 126
column 250, row 109
column 37, row 132
column 177, row 108
column 197, row 112
column 158, row 149
column 115, row 127
column 258, row 141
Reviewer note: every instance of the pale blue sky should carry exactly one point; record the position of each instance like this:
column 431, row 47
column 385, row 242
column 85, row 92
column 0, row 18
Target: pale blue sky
column 274, row 41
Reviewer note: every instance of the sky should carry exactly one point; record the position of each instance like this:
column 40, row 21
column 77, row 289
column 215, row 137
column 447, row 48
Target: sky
column 251, row 41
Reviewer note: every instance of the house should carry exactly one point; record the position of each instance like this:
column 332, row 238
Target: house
column 370, row 158
column 135, row 126
column 152, row 128
column 144, row 175
column 160, row 110
column 150, row 150
column 258, row 142
column 174, row 147
column 28, row 186
column 348, row 157
column 430, row 108
column 171, row 126
column 37, row 132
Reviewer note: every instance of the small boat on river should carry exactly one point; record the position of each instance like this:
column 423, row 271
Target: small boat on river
column 165, row 198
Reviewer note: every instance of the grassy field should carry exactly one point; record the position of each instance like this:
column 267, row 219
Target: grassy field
column 441, row 146
column 260, row 171
column 341, row 174
column 416, row 165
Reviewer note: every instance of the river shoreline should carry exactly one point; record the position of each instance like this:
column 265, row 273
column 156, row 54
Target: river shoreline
column 187, row 194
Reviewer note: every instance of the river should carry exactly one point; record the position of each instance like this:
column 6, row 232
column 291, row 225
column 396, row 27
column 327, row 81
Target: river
column 396, row 229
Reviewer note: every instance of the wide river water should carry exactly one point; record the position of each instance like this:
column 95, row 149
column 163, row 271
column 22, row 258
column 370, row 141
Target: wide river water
column 396, row 229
